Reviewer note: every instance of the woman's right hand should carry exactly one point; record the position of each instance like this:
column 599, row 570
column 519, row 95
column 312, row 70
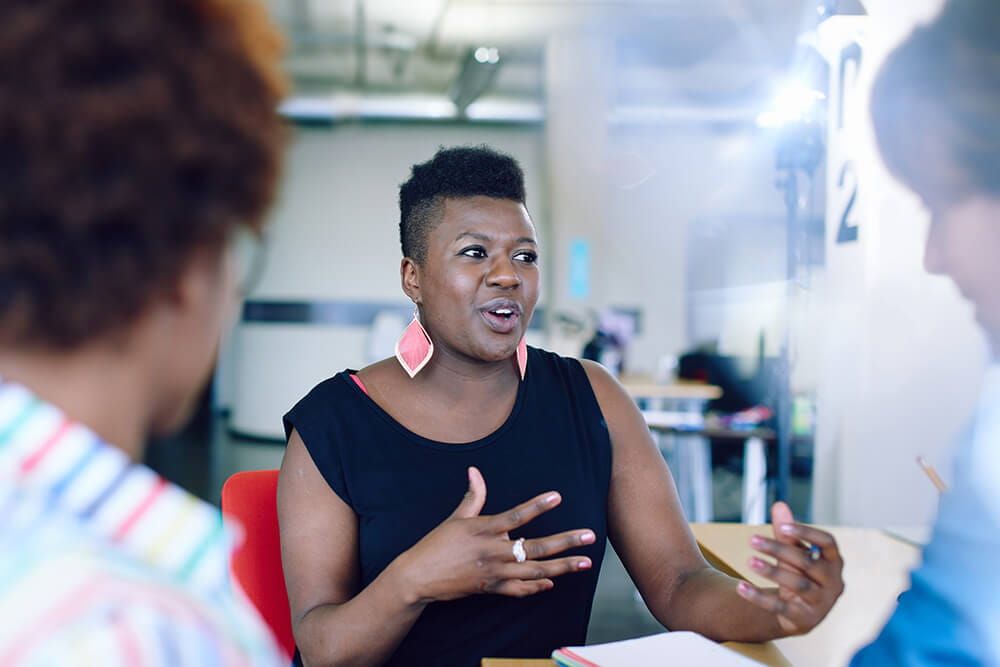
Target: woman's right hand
column 468, row 553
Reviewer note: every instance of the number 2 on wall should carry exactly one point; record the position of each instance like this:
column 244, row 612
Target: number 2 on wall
column 847, row 231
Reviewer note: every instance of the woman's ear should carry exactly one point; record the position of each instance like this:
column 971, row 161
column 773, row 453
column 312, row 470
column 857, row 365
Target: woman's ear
column 409, row 276
column 205, row 276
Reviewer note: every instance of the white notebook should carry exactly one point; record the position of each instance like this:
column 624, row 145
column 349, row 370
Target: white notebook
column 667, row 649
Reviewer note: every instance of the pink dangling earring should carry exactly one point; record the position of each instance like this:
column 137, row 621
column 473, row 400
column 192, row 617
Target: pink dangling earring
column 522, row 357
column 414, row 348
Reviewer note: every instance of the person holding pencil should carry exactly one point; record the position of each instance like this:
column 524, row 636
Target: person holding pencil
column 936, row 108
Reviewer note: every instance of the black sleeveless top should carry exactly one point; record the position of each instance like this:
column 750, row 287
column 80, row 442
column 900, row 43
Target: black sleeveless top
column 401, row 486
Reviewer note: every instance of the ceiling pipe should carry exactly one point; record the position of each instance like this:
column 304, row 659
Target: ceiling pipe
column 348, row 107
column 301, row 18
column 477, row 73
column 360, row 48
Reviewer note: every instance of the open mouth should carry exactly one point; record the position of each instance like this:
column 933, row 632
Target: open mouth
column 502, row 317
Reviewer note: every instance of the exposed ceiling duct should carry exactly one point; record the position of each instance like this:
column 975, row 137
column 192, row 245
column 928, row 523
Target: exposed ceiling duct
column 348, row 107
column 477, row 73
column 345, row 108
column 675, row 60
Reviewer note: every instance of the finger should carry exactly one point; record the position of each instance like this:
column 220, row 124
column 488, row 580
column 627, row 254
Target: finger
column 771, row 601
column 543, row 547
column 791, row 580
column 519, row 589
column 781, row 515
column 793, row 557
column 523, row 513
column 820, row 538
column 474, row 498
column 544, row 569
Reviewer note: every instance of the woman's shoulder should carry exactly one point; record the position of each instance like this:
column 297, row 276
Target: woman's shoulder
column 379, row 372
column 569, row 367
column 576, row 378
column 609, row 394
column 540, row 355
column 317, row 401
column 323, row 407
column 380, row 377
column 324, row 388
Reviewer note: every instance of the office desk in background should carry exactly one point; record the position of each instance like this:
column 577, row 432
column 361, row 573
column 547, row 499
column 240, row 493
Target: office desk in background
column 644, row 389
column 696, row 464
column 876, row 571
column 675, row 414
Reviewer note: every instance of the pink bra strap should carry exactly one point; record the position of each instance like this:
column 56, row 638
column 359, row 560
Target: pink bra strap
column 361, row 385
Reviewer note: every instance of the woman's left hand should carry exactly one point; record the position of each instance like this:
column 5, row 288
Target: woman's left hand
column 807, row 569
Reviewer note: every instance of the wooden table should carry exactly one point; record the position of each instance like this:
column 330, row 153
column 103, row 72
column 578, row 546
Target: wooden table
column 876, row 571
column 677, row 391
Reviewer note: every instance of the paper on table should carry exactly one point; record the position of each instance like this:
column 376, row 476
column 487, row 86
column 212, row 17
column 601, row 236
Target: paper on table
column 917, row 536
column 669, row 648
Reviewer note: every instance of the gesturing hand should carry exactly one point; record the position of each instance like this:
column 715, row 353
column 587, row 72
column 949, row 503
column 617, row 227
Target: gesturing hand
column 808, row 571
column 468, row 553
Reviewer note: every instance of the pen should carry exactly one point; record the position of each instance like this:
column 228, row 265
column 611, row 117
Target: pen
column 932, row 474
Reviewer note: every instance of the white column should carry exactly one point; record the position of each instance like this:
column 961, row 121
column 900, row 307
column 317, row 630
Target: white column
column 578, row 72
column 903, row 357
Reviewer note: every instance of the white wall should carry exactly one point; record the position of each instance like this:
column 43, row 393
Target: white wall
column 334, row 236
column 335, row 228
column 708, row 219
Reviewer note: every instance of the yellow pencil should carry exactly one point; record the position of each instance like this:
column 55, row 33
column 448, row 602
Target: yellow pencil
column 932, row 475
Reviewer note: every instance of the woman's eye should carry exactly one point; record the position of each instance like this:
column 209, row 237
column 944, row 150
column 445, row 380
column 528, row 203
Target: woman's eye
column 526, row 257
column 475, row 251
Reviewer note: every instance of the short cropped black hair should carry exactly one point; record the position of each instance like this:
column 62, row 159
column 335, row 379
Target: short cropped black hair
column 463, row 171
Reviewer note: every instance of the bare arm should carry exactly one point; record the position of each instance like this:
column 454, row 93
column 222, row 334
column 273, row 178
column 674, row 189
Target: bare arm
column 647, row 527
column 337, row 623
column 334, row 622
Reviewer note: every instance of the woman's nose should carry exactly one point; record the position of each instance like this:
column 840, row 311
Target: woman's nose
column 503, row 274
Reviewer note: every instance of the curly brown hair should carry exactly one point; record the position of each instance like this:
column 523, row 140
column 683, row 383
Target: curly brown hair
column 132, row 135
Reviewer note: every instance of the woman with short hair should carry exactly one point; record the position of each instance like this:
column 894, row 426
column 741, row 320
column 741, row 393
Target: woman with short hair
column 387, row 562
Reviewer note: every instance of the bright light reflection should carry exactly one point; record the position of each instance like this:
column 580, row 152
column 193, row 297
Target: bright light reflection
column 793, row 104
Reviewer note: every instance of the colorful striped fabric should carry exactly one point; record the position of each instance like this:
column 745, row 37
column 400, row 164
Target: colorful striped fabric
column 103, row 562
column 565, row 657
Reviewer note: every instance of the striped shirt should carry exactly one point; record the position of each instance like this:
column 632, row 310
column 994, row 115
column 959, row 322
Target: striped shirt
column 103, row 562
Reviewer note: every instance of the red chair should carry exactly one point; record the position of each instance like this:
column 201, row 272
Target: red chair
column 250, row 498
